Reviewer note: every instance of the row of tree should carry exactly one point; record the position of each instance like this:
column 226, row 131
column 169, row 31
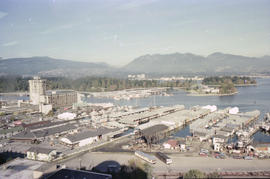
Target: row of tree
column 91, row 84
column 236, row 80
column 227, row 83
column 11, row 84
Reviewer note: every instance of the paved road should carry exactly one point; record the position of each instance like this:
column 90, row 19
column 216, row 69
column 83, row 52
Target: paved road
column 180, row 163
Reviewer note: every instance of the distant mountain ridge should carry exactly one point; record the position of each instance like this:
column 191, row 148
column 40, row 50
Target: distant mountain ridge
column 191, row 63
column 50, row 67
column 161, row 64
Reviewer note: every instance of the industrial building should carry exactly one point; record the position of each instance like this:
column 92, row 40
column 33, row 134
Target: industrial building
column 49, row 99
column 89, row 136
column 221, row 123
column 41, row 154
column 38, row 133
column 60, row 98
column 152, row 134
column 37, row 89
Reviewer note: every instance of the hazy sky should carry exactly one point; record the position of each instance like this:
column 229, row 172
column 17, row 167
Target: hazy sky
column 117, row 31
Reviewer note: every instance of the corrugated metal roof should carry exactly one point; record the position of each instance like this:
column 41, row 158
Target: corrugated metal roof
column 154, row 129
column 40, row 150
column 89, row 133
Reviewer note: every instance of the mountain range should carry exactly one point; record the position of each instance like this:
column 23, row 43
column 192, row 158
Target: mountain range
column 190, row 63
column 46, row 66
column 161, row 64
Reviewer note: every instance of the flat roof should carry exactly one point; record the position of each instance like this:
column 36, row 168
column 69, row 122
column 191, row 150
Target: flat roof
column 19, row 168
column 40, row 150
column 51, row 92
column 154, row 129
column 90, row 133
column 28, row 135
column 80, row 174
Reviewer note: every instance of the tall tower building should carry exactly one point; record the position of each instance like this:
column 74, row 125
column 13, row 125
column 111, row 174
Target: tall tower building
column 37, row 89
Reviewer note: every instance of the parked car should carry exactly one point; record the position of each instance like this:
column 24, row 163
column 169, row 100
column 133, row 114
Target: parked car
column 237, row 157
column 203, row 154
column 248, row 158
column 204, row 150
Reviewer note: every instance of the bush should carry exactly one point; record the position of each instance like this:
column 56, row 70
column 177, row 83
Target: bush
column 214, row 175
column 194, row 174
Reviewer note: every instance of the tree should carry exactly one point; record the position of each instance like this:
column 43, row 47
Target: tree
column 50, row 113
column 213, row 175
column 194, row 174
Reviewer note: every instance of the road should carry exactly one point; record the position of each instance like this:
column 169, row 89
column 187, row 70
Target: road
column 180, row 163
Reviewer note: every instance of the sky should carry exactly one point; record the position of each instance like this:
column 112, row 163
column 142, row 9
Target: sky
column 118, row 31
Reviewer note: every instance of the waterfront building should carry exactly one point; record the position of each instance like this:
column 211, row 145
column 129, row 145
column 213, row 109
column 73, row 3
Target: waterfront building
column 171, row 144
column 37, row 88
column 55, row 98
column 90, row 136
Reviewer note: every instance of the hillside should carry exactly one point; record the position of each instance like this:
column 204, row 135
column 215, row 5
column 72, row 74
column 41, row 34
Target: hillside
column 157, row 64
column 46, row 66
column 189, row 63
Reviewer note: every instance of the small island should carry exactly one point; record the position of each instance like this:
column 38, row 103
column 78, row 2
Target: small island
column 235, row 80
column 220, row 86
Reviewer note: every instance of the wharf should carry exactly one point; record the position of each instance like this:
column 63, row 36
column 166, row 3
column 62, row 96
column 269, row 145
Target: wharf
column 222, row 123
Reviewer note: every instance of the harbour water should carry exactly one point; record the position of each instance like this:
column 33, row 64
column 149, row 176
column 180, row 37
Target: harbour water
column 248, row 99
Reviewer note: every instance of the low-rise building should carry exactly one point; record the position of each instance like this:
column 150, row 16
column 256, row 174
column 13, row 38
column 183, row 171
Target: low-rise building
column 217, row 146
column 41, row 154
column 171, row 144
column 89, row 136
column 219, row 139
column 57, row 98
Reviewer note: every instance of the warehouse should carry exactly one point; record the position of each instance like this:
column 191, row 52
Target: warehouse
column 41, row 154
column 152, row 134
column 42, row 133
column 56, row 98
column 89, row 136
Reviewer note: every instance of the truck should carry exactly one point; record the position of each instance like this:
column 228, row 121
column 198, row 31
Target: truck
column 146, row 157
column 164, row 158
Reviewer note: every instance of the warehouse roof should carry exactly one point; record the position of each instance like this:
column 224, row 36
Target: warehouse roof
column 154, row 129
column 52, row 92
column 69, row 173
column 44, row 132
column 90, row 133
column 28, row 135
column 40, row 150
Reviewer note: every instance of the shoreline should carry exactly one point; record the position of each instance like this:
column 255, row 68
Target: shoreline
column 245, row 85
column 19, row 93
column 201, row 94
column 236, row 85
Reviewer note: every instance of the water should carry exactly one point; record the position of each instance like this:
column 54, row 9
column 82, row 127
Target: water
column 248, row 99
column 13, row 97
column 184, row 132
